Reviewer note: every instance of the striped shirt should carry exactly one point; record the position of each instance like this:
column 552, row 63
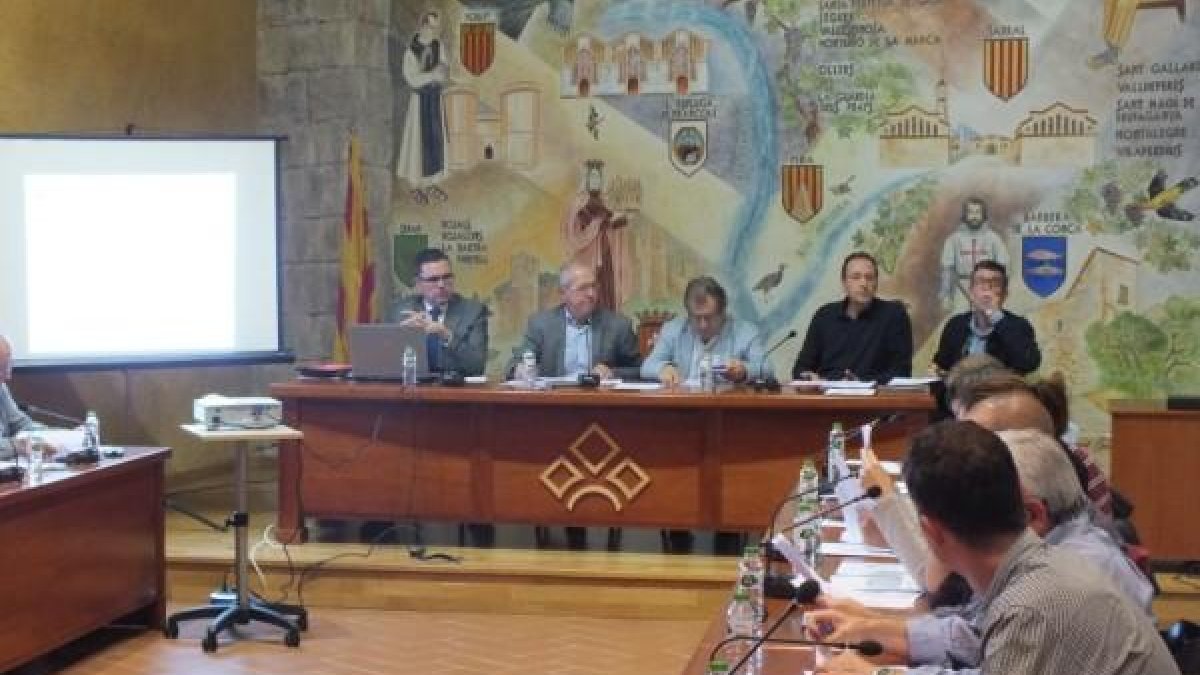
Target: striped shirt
column 1047, row 612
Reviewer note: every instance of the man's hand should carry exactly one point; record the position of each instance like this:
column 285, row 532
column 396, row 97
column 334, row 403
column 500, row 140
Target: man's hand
column 602, row 371
column 669, row 376
column 834, row 626
column 735, row 370
column 873, row 473
column 422, row 321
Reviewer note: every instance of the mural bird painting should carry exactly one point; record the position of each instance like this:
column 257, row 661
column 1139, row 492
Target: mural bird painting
column 770, row 281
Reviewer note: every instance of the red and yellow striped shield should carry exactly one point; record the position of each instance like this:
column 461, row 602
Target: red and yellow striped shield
column 1005, row 65
column 803, row 189
column 477, row 46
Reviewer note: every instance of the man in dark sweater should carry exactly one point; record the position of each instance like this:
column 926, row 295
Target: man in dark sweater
column 988, row 327
column 860, row 337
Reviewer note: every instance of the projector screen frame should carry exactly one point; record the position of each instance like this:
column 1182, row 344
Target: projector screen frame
column 181, row 359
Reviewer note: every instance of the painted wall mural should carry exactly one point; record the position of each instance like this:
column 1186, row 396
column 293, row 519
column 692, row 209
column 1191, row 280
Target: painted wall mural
column 762, row 140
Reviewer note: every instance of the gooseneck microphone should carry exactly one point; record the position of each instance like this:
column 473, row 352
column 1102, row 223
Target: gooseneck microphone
column 89, row 454
column 873, row 492
column 769, row 383
column 864, row 647
column 804, row 594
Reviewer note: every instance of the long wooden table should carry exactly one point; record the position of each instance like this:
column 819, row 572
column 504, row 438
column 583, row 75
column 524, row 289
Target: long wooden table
column 1155, row 462
column 567, row 456
column 81, row 549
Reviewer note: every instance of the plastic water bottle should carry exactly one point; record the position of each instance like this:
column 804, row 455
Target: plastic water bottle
column 529, row 368
column 750, row 578
column 409, row 366
column 835, row 458
column 806, row 534
column 707, row 381
column 91, row 431
column 743, row 621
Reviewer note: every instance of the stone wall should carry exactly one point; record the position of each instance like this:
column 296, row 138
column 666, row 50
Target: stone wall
column 323, row 73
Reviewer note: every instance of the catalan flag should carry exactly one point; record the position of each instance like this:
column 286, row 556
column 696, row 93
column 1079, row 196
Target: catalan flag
column 356, row 293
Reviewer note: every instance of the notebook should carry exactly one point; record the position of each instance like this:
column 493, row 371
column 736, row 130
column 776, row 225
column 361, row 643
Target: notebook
column 377, row 351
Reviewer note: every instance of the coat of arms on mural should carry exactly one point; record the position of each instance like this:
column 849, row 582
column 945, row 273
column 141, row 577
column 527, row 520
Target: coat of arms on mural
column 688, row 146
column 1044, row 264
column 477, row 41
column 1005, row 65
column 802, row 187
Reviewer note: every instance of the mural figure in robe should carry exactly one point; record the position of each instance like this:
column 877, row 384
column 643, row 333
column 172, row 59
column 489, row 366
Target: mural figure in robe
column 972, row 241
column 422, row 157
column 594, row 235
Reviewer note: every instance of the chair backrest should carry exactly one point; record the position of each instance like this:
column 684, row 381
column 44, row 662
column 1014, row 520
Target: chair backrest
column 650, row 322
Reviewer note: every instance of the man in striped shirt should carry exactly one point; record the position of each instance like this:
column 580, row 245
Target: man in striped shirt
column 1043, row 610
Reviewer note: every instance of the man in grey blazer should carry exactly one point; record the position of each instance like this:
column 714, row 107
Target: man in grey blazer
column 578, row 336
column 456, row 328
column 11, row 417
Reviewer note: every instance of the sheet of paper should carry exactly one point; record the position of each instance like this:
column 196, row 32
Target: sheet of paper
column 878, row 582
column 475, row 379
column 849, row 391
column 841, row 548
column 637, row 386
column 883, row 599
column 862, row 568
column 912, row 381
column 847, row 491
column 825, row 384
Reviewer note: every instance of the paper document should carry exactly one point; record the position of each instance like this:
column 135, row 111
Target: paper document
column 881, row 599
column 879, row 582
column 912, row 381
column 475, row 379
column 849, row 391
column 825, row 384
column 892, row 468
column 863, row 568
column 842, row 548
column 637, row 386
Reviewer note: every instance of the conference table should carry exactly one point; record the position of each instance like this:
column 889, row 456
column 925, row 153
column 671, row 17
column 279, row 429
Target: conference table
column 83, row 548
column 490, row 453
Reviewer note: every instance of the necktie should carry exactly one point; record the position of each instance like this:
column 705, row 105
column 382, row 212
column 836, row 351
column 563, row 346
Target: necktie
column 433, row 342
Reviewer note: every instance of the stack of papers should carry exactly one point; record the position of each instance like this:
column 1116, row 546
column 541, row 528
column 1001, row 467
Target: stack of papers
column 850, row 391
column 841, row 548
column 912, row 381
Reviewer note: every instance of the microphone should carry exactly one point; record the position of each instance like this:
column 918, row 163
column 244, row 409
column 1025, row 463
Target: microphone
column 89, row 454
column 804, row 594
column 856, row 432
column 873, row 492
column 769, row 384
column 865, row 647
column 30, row 409
column 823, row 487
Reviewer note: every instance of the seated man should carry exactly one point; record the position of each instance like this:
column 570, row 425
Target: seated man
column 987, row 327
column 1058, row 513
column 860, row 337
column 12, row 419
column 456, row 327
column 578, row 336
column 1042, row 608
column 706, row 331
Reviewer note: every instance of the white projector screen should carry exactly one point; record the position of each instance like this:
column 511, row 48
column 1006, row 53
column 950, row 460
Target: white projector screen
column 139, row 250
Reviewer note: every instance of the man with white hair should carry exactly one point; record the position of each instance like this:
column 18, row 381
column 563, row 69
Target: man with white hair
column 1057, row 511
column 12, row 419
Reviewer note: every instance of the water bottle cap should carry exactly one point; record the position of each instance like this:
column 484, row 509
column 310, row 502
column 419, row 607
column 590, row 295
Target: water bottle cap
column 751, row 549
column 718, row 666
column 837, row 426
column 741, row 594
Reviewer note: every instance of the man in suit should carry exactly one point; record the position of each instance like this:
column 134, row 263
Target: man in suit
column 707, row 330
column 987, row 327
column 456, row 328
column 11, row 417
column 578, row 336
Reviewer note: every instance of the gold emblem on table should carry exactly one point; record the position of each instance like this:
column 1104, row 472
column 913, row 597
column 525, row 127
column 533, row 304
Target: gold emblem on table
column 595, row 465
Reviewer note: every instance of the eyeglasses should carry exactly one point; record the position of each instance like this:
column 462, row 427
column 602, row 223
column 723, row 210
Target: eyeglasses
column 444, row 278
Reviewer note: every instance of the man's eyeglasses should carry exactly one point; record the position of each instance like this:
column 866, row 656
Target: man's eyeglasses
column 443, row 278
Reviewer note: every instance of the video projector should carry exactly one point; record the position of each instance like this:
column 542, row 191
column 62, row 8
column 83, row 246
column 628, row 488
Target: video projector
column 233, row 412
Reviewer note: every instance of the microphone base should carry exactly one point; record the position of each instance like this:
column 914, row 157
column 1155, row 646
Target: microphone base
column 89, row 456
column 12, row 474
column 778, row 587
column 766, row 385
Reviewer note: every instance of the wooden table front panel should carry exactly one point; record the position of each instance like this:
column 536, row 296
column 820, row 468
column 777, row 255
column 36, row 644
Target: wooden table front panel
column 79, row 552
column 586, row 458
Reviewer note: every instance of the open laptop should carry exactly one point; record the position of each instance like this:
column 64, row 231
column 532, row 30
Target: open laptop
column 377, row 351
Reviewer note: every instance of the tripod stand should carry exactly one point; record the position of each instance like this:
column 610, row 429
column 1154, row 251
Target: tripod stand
column 243, row 609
